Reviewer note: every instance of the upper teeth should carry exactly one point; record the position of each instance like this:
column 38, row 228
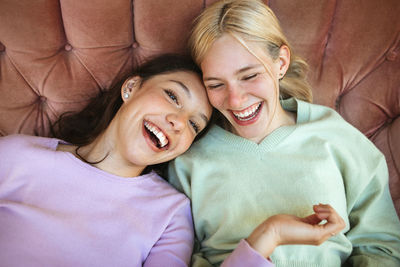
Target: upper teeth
column 157, row 132
column 248, row 113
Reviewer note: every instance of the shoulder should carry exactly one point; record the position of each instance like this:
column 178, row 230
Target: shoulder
column 217, row 140
column 325, row 123
column 161, row 189
column 20, row 141
column 173, row 205
column 202, row 151
column 24, row 151
column 326, row 119
column 310, row 112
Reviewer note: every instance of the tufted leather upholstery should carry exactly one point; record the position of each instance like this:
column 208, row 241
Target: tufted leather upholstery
column 56, row 54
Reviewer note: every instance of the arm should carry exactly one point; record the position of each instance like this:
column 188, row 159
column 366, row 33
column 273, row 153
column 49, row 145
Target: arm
column 174, row 248
column 180, row 173
column 243, row 255
column 283, row 229
column 279, row 230
column 374, row 225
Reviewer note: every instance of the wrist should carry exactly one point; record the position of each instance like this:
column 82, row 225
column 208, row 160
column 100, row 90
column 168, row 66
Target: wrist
column 263, row 240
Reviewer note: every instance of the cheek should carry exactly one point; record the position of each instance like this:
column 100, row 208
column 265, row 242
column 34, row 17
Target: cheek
column 216, row 98
column 266, row 87
column 268, row 94
column 185, row 142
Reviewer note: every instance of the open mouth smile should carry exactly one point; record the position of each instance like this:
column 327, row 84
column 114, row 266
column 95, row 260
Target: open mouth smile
column 247, row 115
column 156, row 136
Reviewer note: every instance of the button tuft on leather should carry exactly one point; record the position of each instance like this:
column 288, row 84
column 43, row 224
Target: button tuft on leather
column 42, row 99
column 68, row 47
column 391, row 55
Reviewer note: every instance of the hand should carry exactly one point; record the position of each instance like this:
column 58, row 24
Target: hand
column 283, row 229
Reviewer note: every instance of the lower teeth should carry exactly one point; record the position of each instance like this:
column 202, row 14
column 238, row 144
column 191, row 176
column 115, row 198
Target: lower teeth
column 246, row 119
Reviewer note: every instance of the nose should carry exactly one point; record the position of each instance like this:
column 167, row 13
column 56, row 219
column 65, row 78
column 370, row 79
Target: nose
column 235, row 96
column 177, row 121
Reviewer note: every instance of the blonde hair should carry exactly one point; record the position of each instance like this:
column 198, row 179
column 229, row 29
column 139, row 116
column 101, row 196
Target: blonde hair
column 250, row 21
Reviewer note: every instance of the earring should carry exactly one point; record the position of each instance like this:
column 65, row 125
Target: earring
column 129, row 85
column 125, row 94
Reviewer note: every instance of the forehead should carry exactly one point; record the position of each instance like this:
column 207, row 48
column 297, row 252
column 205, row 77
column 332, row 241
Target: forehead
column 190, row 78
column 227, row 54
column 191, row 87
column 190, row 82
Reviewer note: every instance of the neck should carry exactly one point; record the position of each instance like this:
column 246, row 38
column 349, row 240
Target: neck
column 104, row 155
column 114, row 162
column 281, row 118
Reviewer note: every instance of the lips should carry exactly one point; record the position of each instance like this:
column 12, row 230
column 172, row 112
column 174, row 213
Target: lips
column 155, row 136
column 247, row 115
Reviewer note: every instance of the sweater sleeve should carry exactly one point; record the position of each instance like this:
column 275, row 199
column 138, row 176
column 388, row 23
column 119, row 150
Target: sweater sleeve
column 175, row 246
column 374, row 225
column 243, row 255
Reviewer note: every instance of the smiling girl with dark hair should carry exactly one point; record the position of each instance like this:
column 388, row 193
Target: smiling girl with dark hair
column 84, row 198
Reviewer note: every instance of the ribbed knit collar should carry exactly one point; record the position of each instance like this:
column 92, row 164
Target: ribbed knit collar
column 270, row 141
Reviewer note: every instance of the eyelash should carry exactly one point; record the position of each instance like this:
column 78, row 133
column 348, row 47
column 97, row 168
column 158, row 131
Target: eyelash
column 195, row 126
column 245, row 78
column 171, row 94
column 250, row 77
column 213, row 86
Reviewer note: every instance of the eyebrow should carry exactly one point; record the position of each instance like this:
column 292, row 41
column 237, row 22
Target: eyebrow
column 183, row 86
column 253, row 66
column 204, row 117
column 187, row 91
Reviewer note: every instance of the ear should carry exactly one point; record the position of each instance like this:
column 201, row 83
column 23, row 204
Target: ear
column 284, row 60
column 130, row 86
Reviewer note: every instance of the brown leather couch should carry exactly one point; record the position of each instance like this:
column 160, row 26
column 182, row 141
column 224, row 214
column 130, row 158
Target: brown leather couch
column 55, row 55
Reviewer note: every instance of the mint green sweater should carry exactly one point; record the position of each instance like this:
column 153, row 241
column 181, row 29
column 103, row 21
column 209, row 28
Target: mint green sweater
column 235, row 184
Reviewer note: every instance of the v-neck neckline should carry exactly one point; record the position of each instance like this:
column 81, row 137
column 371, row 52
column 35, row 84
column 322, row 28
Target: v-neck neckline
column 271, row 140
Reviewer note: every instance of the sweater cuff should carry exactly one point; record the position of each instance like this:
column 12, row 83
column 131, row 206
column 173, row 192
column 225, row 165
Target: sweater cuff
column 244, row 255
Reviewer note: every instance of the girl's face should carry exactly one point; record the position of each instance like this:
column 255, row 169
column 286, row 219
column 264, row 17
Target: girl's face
column 239, row 86
column 161, row 117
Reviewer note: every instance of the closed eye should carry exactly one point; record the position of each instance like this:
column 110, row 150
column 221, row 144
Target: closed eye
column 250, row 77
column 213, row 86
column 171, row 94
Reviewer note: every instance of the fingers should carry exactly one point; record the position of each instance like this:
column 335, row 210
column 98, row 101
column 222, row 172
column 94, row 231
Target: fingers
column 284, row 229
column 334, row 223
column 313, row 219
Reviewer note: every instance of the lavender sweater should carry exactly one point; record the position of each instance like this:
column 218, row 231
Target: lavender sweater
column 56, row 210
